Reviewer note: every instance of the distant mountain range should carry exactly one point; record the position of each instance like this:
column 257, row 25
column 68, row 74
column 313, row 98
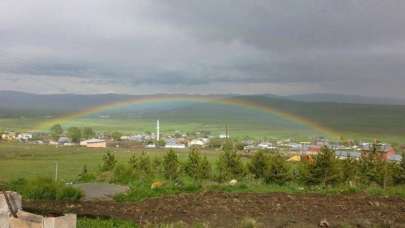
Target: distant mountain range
column 341, row 98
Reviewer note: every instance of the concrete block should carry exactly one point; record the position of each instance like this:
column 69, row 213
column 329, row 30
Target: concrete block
column 4, row 223
column 66, row 221
column 26, row 220
column 15, row 200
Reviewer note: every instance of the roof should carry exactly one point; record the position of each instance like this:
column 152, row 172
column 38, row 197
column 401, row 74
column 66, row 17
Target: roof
column 395, row 157
column 347, row 154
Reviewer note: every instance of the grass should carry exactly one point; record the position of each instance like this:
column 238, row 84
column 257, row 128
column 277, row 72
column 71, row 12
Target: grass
column 30, row 161
column 33, row 161
column 104, row 223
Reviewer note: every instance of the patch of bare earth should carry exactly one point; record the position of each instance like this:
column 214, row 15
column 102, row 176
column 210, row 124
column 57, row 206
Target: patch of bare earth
column 228, row 209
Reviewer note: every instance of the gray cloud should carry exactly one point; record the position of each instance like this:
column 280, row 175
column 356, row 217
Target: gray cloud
column 263, row 46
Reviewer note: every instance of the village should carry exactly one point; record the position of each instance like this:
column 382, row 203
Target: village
column 294, row 149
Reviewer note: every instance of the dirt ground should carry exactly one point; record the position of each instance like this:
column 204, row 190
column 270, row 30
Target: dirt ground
column 228, row 209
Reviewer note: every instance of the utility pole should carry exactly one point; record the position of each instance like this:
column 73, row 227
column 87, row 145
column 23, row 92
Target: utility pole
column 226, row 131
column 56, row 171
column 157, row 131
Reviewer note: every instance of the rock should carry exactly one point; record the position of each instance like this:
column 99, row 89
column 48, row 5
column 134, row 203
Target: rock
column 323, row 223
column 15, row 200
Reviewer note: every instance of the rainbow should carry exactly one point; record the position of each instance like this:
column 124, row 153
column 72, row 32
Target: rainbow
column 244, row 103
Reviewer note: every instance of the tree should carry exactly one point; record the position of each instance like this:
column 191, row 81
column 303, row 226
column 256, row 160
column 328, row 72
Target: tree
column 349, row 170
column 276, row 170
column 56, row 131
column 399, row 171
column 324, row 168
column 171, row 165
column 141, row 165
column 74, row 134
column 197, row 166
column 116, row 136
column 257, row 164
column 161, row 143
column 229, row 165
column 88, row 133
column 109, row 162
column 373, row 168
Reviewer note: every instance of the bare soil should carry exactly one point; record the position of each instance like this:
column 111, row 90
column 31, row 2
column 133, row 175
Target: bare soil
column 228, row 209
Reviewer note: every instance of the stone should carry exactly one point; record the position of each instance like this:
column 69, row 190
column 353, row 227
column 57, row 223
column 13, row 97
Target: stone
column 66, row 221
column 15, row 199
column 4, row 223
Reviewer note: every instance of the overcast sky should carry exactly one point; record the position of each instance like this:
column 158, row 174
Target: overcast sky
column 205, row 46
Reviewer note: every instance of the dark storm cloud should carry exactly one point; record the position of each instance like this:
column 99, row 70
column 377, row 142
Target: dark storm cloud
column 200, row 46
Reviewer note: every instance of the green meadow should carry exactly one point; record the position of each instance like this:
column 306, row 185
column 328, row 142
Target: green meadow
column 30, row 161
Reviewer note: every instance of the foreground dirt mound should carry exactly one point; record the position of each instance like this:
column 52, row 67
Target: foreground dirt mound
column 228, row 209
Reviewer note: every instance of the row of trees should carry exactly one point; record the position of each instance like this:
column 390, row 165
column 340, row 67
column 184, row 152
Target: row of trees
column 323, row 169
column 76, row 134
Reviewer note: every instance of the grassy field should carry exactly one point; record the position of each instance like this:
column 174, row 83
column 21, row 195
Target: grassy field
column 28, row 161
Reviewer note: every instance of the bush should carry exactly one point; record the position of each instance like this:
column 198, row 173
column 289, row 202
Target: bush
column 197, row 167
column 121, row 174
column 141, row 166
column 324, row 169
column 157, row 165
column 108, row 162
column 45, row 189
column 230, row 166
column 171, row 165
column 85, row 176
column 257, row 164
column 68, row 193
column 276, row 170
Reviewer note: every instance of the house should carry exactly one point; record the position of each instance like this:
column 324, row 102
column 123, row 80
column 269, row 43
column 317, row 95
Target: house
column 173, row 144
column 94, row 143
column 150, row 146
column 395, row 158
column 9, row 136
column 24, row 136
column 136, row 138
column 197, row 142
column 313, row 149
column 64, row 141
column 266, row 146
column 385, row 150
column 342, row 154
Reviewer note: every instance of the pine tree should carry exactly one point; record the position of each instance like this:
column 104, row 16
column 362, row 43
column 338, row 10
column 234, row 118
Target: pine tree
column 197, row 166
column 324, row 169
column 276, row 170
column 257, row 164
column 171, row 165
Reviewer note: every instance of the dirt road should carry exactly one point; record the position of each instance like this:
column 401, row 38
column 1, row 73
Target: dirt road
column 228, row 209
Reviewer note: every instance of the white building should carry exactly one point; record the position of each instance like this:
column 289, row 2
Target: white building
column 197, row 142
column 175, row 146
column 94, row 143
column 24, row 136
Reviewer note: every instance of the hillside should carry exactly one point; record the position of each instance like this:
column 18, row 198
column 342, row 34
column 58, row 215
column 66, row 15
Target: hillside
column 355, row 119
